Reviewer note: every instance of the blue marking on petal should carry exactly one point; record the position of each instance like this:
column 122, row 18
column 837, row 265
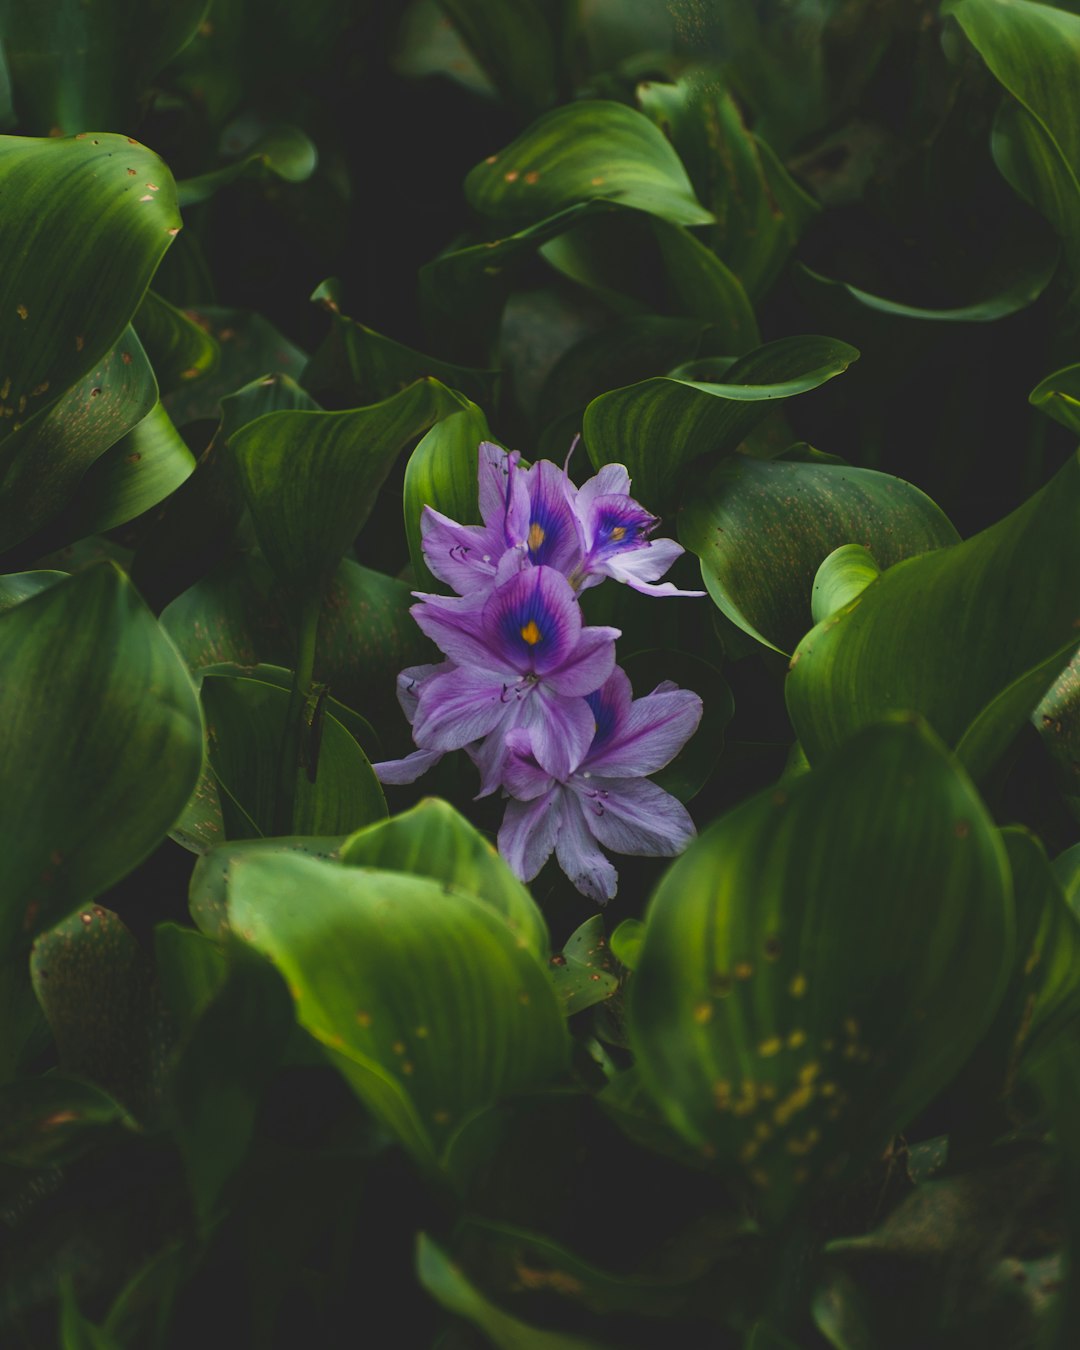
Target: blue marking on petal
column 605, row 712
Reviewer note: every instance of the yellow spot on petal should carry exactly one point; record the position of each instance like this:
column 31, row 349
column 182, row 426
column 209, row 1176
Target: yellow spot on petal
column 619, row 532
column 536, row 536
column 531, row 633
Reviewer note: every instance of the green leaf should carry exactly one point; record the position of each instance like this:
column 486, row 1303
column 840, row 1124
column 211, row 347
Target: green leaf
column 101, row 730
column 364, row 366
column 95, row 985
column 760, row 211
column 582, row 974
column 626, row 943
column 245, row 720
column 1057, row 720
column 190, row 970
column 19, row 586
column 442, row 473
column 580, row 152
column 1027, row 275
column 423, row 998
column 75, row 276
column 626, row 426
column 209, row 888
column 49, row 1121
column 1059, row 397
column 789, row 517
column 44, row 463
column 969, row 636
column 180, row 350
column 843, row 576
column 449, row 1286
column 704, row 287
column 76, row 67
column 284, row 151
column 311, row 478
column 1034, row 51
column 514, row 45
column 793, row 1036
column 433, row 840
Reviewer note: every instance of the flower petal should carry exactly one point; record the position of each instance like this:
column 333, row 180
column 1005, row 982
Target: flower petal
column 588, row 666
column 632, row 815
column 640, row 567
column 648, row 735
column 407, row 770
column 528, row 832
column 532, row 622
column 461, row 555
column 457, row 627
column 579, row 857
column 503, row 496
column 461, row 706
column 560, row 730
column 552, row 537
column 522, row 776
column 411, row 680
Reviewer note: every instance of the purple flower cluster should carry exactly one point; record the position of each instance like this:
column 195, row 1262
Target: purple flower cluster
column 530, row 692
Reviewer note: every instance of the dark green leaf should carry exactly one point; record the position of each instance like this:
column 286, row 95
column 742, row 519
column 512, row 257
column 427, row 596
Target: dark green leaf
column 970, row 636
column 208, row 895
column 793, row 1036
column 19, row 586
column 583, row 974
column 1059, row 396
column 48, row 1121
column 180, row 350
column 284, row 151
column 514, row 45
column 583, row 151
column 442, row 473
column 762, row 528
column 101, row 730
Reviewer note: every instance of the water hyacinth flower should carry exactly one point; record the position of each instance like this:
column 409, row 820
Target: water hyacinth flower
column 607, row 799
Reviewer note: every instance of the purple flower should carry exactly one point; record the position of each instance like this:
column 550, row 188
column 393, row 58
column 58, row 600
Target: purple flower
column 606, row 798
column 613, row 532
column 409, row 683
column 523, row 661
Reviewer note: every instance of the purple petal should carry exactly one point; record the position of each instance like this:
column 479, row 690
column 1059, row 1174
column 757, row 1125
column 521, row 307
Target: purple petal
column 532, row 622
column 579, row 857
column 522, row 776
column 457, row 627
column 461, row 555
column 503, row 496
column 637, row 569
column 610, row 706
column 647, row 735
column 411, row 680
column 492, row 753
column 461, row 706
column 552, row 537
column 587, row 666
column 632, row 815
column 612, row 479
column 529, row 830
column 407, row 770
column 560, row 730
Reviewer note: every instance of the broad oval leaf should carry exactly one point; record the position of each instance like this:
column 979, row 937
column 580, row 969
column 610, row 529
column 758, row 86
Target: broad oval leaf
column 208, row 892
column 433, row 840
column 19, row 586
column 970, row 636
column 585, row 150
column 423, row 998
column 814, row 971
column 762, row 528
column 442, row 473
column 86, row 222
column 101, row 742
column 629, row 426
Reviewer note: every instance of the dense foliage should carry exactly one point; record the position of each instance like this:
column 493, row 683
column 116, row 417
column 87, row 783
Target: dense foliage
column 290, row 1053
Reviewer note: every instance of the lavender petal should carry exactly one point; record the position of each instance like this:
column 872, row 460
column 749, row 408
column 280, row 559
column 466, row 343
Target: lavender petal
column 580, row 858
column 529, row 830
column 633, row 815
column 588, row 666
column 648, row 735
column 461, row 706
column 400, row 771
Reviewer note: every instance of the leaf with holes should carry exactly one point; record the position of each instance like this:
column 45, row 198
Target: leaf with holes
column 970, row 636
column 100, row 728
column 791, row 1036
column 422, row 997
column 582, row 973
column 763, row 527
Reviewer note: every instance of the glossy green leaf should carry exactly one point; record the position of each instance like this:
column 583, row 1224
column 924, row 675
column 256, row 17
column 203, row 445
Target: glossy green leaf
column 843, row 576
column 626, row 426
column 760, row 211
column 970, row 636
column 144, row 467
column 1025, row 278
column 514, row 45
column 95, row 985
column 1057, row 720
column 311, row 478
column 365, row 366
column 442, row 473
column 220, row 1073
column 1034, row 51
column 209, row 889
column 793, row 1036
column 190, row 970
column 77, row 67
column 424, row 999
column 585, row 150
column 44, row 463
column 336, row 788
column 100, row 728
column 433, row 840
column 626, row 942
column 762, row 528
column 582, row 972
column 180, row 350
column 704, row 287
column 51, row 1120
column 19, row 586
column 75, row 275
column 448, row 1284
column 359, row 728
column 284, row 151
column 1059, row 397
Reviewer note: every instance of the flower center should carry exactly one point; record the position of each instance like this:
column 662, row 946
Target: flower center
column 536, row 536
column 531, row 633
